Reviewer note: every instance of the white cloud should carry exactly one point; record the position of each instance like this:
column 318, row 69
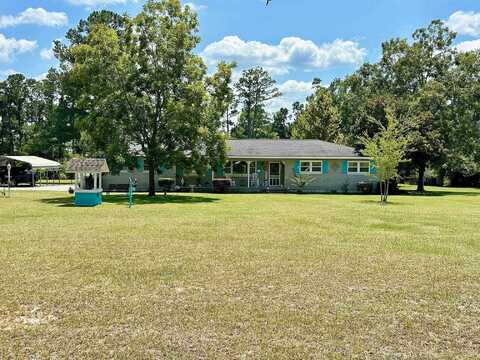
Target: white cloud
column 292, row 91
column 47, row 54
column 9, row 47
column 41, row 77
column 196, row 7
column 6, row 73
column 295, row 86
column 37, row 16
column 465, row 23
column 468, row 46
column 291, row 53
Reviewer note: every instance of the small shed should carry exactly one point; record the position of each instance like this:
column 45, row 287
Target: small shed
column 88, row 180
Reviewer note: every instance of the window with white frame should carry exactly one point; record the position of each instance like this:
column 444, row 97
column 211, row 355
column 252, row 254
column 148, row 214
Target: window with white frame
column 311, row 167
column 240, row 168
column 228, row 168
column 358, row 167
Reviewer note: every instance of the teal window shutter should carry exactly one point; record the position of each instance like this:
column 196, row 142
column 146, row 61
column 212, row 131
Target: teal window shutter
column 209, row 173
column 179, row 171
column 260, row 168
column 296, row 167
column 373, row 168
column 140, row 164
column 325, row 166
column 220, row 170
column 344, row 167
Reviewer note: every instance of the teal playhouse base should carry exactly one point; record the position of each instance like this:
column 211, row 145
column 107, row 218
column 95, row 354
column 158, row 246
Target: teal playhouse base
column 88, row 198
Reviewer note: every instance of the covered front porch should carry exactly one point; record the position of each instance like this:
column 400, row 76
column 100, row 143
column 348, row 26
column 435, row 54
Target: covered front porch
column 254, row 175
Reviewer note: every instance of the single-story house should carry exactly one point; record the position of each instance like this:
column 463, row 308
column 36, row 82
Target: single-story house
column 271, row 165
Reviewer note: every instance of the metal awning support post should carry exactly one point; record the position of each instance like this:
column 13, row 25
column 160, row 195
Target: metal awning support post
column 248, row 174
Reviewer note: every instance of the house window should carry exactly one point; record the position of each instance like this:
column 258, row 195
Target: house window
column 358, row 167
column 311, row 167
column 240, row 168
column 317, row 167
column 228, row 168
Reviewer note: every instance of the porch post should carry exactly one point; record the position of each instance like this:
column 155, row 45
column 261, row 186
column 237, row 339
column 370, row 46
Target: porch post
column 95, row 182
column 100, row 180
column 248, row 174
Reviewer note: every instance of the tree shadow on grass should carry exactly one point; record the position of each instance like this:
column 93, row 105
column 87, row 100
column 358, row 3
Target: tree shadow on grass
column 441, row 192
column 143, row 199
column 377, row 202
column 138, row 199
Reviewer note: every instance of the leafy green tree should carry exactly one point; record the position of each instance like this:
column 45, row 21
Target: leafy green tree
column 415, row 74
column 263, row 126
column 15, row 93
column 254, row 89
column 387, row 150
column 143, row 87
column 280, row 123
column 221, row 91
column 413, row 77
column 461, row 157
column 319, row 119
column 51, row 131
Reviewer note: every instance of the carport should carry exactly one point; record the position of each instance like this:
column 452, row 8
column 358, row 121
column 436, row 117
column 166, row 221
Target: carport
column 34, row 163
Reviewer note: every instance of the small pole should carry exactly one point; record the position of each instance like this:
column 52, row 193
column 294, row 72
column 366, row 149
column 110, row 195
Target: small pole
column 9, row 168
column 130, row 192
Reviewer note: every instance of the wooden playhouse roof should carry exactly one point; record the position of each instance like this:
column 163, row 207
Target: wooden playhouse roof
column 87, row 165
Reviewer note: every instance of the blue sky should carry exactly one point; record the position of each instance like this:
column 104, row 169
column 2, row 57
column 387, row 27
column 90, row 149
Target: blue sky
column 296, row 40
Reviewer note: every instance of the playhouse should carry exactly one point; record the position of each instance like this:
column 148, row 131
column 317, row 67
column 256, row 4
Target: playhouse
column 88, row 180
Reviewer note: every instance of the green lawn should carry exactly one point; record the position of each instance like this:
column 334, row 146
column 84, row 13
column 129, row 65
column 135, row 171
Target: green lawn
column 241, row 276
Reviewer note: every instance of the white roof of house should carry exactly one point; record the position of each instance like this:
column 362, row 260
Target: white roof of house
column 34, row 161
column 289, row 149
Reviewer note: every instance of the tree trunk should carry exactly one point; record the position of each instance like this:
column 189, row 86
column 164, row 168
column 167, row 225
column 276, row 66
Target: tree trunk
column 151, row 177
column 386, row 190
column 381, row 191
column 421, row 177
column 228, row 121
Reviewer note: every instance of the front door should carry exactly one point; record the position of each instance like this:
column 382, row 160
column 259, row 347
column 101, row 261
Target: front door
column 275, row 172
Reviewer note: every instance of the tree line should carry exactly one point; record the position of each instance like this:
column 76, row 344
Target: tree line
column 129, row 85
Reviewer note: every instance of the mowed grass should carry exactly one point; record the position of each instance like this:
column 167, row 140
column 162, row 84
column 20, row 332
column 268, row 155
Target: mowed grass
column 241, row 276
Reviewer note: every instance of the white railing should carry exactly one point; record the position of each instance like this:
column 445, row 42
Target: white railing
column 275, row 180
column 241, row 180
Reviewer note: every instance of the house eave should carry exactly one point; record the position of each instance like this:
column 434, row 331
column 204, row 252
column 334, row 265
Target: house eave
column 236, row 157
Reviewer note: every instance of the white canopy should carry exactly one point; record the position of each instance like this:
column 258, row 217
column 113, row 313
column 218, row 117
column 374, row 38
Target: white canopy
column 34, row 161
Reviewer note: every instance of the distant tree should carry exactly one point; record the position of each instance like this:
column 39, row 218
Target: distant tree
column 280, row 123
column 254, row 89
column 413, row 77
column 220, row 87
column 319, row 119
column 15, row 93
column 263, row 126
column 416, row 76
column 52, row 132
column 387, row 149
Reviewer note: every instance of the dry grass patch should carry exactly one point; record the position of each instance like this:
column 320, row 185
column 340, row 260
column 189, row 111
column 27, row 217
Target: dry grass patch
column 241, row 276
